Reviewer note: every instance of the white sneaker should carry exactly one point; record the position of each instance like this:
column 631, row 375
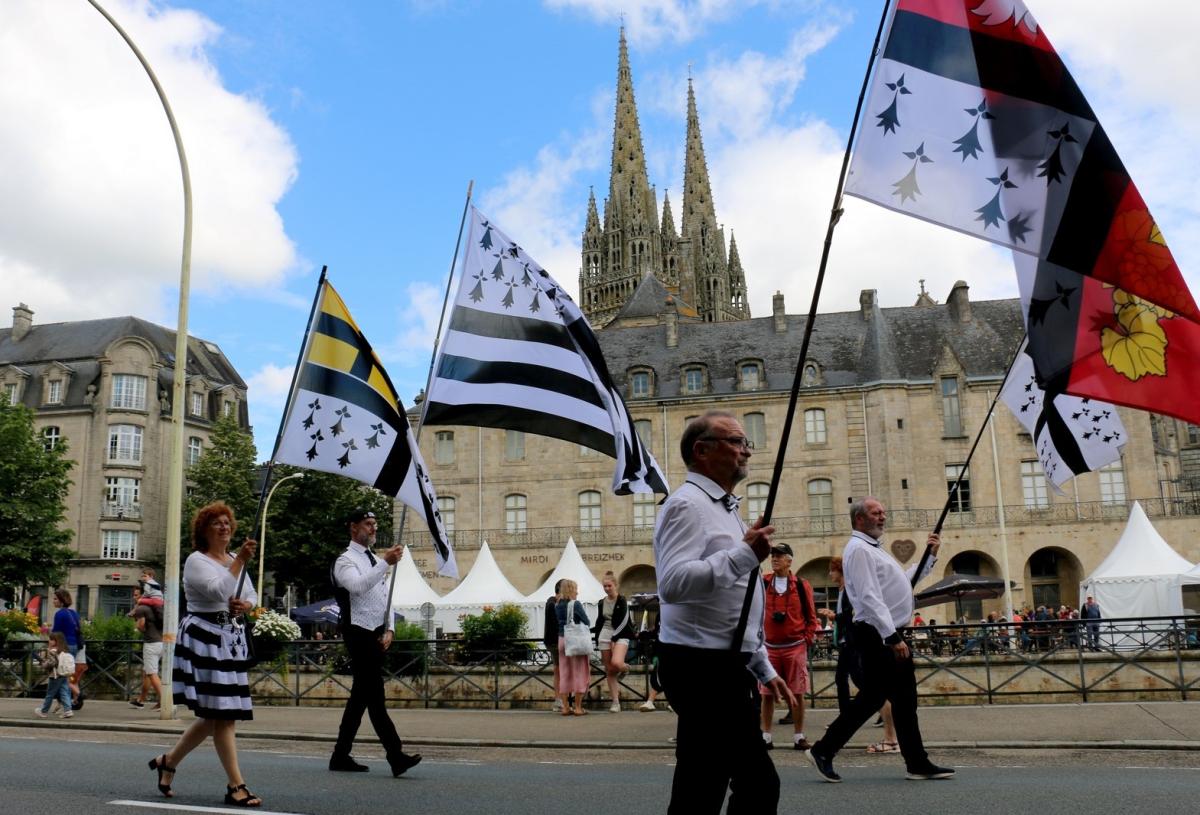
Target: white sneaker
column 647, row 707
column 66, row 715
column 616, row 708
column 41, row 714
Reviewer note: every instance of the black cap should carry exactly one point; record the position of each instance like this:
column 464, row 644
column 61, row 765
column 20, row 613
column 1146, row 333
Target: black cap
column 781, row 549
column 359, row 514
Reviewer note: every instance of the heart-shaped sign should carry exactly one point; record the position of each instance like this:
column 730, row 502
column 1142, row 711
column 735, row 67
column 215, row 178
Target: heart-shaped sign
column 903, row 550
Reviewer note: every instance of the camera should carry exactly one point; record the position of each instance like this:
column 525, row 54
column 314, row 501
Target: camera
column 779, row 616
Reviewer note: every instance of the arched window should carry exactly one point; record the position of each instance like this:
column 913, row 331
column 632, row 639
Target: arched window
column 693, row 379
column 756, row 500
column 820, row 505
column 639, row 385
column 750, row 375
column 589, row 509
column 515, row 506
column 446, row 504
column 814, row 426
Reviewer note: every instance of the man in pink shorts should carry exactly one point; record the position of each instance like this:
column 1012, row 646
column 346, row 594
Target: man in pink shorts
column 791, row 624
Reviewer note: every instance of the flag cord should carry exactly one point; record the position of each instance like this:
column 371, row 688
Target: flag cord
column 287, row 410
column 835, row 215
column 953, row 496
column 429, row 378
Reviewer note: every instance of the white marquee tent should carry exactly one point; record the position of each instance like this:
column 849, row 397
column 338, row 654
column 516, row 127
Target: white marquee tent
column 570, row 567
column 1142, row 575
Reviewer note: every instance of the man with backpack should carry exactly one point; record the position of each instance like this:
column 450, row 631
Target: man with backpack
column 149, row 620
column 790, row 625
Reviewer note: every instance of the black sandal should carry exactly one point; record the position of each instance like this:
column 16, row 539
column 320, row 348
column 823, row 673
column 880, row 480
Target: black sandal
column 251, row 800
column 160, row 764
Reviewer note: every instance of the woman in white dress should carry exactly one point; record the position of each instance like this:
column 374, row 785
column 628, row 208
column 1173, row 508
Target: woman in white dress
column 211, row 655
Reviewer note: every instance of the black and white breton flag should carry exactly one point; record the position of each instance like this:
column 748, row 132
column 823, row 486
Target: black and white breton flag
column 1072, row 434
column 344, row 417
column 520, row 355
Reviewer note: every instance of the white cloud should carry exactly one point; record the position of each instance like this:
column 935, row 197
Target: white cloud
column 419, row 321
column 92, row 181
column 649, row 21
column 270, row 382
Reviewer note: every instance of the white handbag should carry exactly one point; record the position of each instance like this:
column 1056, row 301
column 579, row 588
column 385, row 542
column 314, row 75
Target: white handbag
column 577, row 637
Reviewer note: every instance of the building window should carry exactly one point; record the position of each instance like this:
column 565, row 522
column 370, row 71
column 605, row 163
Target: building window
column 751, row 376
column 812, row 376
column 446, row 509
column 645, row 431
column 1033, row 485
column 10, row 393
column 756, row 500
column 1112, row 483
column 962, row 501
column 227, row 409
column 589, row 509
column 119, row 544
column 645, row 505
column 514, row 513
column 514, row 445
column 51, row 436
column 814, row 426
column 443, row 447
column 122, row 494
column 693, row 380
column 54, row 392
column 951, row 414
column 755, row 425
column 197, row 404
column 125, row 443
column 1193, row 432
column 1043, row 574
column 820, row 505
column 195, row 450
column 639, row 385
column 129, row 392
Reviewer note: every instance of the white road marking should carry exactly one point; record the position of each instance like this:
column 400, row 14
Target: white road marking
column 189, row 808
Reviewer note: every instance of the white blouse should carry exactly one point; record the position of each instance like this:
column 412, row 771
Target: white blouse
column 208, row 586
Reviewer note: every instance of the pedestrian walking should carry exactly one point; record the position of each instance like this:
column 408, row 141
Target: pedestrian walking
column 881, row 594
column 360, row 584
column 790, row 625
column 613, row 633
column 711, row 644
column 149, row 621
column 550, row 637
column 574, row 672
column 59, row 666
column 211, row 654
column 68, row 623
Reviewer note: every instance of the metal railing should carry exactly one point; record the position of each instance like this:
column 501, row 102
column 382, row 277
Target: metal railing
column 120, row 510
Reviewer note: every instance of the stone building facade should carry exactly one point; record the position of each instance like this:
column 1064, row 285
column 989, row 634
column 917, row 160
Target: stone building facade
column 104, row 387
column 892, row 398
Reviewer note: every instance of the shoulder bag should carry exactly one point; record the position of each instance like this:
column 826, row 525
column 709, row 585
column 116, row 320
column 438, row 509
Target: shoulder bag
column 577, row 637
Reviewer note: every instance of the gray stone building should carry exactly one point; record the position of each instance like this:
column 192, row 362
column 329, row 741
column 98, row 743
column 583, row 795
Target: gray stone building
column 104, row 387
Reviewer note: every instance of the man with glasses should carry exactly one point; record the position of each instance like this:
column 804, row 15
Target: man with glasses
column 711, row 645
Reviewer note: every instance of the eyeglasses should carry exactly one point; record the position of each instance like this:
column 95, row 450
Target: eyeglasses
column 736, row 441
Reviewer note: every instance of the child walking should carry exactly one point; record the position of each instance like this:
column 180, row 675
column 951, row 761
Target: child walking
column 60, row 665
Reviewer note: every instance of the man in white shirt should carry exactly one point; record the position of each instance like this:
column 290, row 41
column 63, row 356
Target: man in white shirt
column 881, row 594
column 360, row 581
column 711, row 647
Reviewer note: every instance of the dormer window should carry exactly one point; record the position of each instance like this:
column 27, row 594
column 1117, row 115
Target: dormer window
column 812, row 374
column 641, row 383
column 694, row 380
column 197, row 406
column 750, row 375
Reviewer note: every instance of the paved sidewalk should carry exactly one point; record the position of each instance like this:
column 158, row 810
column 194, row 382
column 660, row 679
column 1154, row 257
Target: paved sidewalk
column 1121, row 725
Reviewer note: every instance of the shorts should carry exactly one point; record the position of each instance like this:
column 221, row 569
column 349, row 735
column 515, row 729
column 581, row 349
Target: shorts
column 792, row 666
column 151, row 657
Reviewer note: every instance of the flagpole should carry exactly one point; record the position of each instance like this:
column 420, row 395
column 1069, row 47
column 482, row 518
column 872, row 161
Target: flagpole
column 429, row 378
column 287, row 412
column 953, row 496
column 835, row 215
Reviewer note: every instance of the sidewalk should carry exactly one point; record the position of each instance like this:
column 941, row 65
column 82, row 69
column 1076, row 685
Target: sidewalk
column 1120, row 725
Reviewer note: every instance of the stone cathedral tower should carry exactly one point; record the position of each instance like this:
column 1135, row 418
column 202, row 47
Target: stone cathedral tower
column 631, row 243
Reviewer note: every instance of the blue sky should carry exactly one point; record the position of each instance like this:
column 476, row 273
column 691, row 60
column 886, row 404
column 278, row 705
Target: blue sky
column 345, row 134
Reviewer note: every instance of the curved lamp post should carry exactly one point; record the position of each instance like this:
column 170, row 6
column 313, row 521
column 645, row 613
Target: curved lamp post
column 262, row 534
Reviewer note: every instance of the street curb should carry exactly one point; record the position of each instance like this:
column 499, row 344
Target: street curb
column 283, row 735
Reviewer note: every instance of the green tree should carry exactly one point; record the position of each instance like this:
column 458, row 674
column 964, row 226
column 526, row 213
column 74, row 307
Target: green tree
column 35, row 549
column 306, row 528
column 225, row 472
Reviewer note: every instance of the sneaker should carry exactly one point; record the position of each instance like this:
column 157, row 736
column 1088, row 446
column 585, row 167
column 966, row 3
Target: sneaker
column 68, row 714
column 824, row 767
column 647, row 707
column 137, row 704
column 615, row 708
column 41, row 714
column 930, row 773
column 802, row 744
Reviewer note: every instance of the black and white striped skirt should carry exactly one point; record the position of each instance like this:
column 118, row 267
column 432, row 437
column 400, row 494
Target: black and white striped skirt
column 210, row 668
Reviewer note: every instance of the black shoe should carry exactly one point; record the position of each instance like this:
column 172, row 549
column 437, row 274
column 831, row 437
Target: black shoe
column 787, row 718
column 346, row 764
column 801, row 745
column 78, row 703
column 770, row 745
column 137, row 704
column 824, row 767
column 404, row 763
column 929, row 773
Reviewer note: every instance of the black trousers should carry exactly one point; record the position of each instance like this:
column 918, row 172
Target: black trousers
column 884, row 678
column 719, row 745
column 366, row 694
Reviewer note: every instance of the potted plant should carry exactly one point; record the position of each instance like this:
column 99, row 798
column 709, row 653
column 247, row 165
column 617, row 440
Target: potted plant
column 272, row 633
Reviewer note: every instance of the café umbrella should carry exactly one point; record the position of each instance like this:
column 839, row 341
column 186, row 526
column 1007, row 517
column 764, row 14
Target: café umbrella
column 959, row 587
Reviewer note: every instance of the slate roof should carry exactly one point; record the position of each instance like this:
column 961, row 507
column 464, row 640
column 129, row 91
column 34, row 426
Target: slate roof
column 650, row 299
column 78, row 344
column 895, row 345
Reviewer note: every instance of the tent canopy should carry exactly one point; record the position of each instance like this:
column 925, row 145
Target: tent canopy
column 411, row 588
column 1142, row 575
column 484, row 585
column 570, row 567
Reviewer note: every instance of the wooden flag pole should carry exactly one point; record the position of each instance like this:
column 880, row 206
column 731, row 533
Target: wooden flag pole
column 429, row 377
column 287, row 412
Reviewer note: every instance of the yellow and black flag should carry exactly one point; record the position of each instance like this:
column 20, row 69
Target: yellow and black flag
column 344, row 417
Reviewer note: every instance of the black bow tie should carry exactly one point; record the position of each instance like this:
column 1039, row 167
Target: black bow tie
column 731, row 502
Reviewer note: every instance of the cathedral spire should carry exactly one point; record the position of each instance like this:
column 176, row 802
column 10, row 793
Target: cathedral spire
column 668, row 220
column 737, row 282
column 629, row 186
column 593, row 217
column 699, row 215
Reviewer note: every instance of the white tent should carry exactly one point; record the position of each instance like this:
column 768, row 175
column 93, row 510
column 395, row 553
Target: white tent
column 411, row 590
column 1142, row 576
column 570, row 567
column 484, row 585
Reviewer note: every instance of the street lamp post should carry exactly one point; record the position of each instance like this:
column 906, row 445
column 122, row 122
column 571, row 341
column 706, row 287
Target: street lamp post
column 262, row 533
